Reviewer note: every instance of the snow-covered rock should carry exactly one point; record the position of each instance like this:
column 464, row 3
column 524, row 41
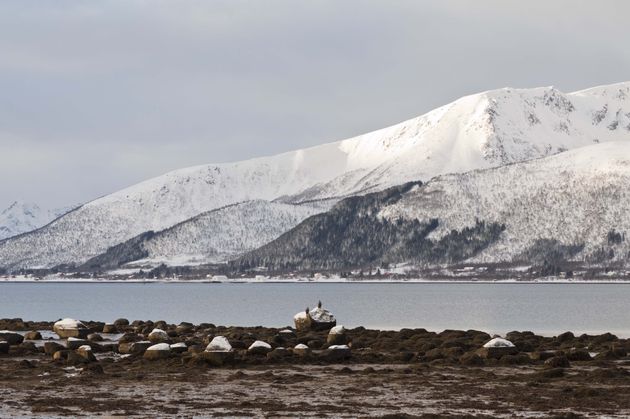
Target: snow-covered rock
column 316, row 319
column 498, row 343
column 158, row 351
column 301, row 350
column 219, row 344
column 322, row 318
column 337, row 336
column 86, row 352
column 259, row 348
column 338, row 347
column 488, row 129
column 70, row 328
column 158, row 335
column 497, row 348
column 337, row 330
column 179, row 347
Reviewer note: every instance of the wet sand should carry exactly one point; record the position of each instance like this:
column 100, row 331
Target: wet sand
column 411, row 373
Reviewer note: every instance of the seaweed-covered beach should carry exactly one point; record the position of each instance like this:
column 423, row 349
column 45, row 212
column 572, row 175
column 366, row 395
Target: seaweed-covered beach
column 107, row 369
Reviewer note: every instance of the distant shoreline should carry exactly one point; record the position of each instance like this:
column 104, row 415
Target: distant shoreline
column 309, row 281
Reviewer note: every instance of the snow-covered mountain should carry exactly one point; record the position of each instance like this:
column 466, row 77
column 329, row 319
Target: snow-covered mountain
column 488, row 129
column 212, row 236
column 572, row 206
column 575, row 198
column 21, row 217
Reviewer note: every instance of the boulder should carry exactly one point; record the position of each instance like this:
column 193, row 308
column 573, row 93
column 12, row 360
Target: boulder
column 302, row 321
column 302, row 350
column 195, row 349
column 158, row 336
column 560, row 361
column 110, row 328
column 184, row 328
column 278, row 353
column 579, row 355
column 496, row 348
column 85, row 351
column 471, row 359
column 4, row 347
column 158, row 351
column 179, row 348
column 259, row 348
column 33, row 335
column 217, row 358
column 130, row 337
column 74, row 343
column 12, row 338
column 218, row 352
column 219, row 344
column 337, row 336
column 51, row 347
column 60, row 355
column 28, row 347
column 70, row 328
column 336, row 353
column 316, row 319
column 121, row 322
column 74, row 359
column 95, row 337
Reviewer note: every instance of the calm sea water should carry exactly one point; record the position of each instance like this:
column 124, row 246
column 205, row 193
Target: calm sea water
column 496, row 308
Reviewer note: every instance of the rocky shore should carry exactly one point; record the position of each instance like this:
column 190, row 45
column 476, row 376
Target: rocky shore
column 71, row 367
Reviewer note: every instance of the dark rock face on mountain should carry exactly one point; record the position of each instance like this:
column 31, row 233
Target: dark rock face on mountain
column 352, row 235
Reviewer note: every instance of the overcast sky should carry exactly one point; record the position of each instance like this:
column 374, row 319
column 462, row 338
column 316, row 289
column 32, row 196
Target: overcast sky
column 98, row 95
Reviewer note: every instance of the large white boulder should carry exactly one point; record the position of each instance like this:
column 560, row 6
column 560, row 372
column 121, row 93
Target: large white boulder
column 219, row 344
column 70, row 328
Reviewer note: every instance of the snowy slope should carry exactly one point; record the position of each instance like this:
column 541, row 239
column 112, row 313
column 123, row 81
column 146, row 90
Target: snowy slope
column 576, row 198
column 225, row 233
column 483, row 130
column 21, row 217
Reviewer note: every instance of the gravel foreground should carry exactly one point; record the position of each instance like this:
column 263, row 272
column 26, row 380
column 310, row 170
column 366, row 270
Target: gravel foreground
column 408, row 373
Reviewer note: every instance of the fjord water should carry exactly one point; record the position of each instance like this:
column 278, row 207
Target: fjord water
column 497, row 308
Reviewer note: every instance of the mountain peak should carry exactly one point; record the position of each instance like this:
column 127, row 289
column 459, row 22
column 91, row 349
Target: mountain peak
column 480, row 131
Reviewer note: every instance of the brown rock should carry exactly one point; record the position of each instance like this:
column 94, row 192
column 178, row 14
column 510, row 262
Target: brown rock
column 12, row 338
column 216, row 358
column 559, row 361
column 86, row 352
column 110, row 328
column 496, row 352
column 74, row 343
column 33, row 335
column 51, row 347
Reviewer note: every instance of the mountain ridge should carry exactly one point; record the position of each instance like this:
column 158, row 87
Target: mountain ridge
column 488, row 129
